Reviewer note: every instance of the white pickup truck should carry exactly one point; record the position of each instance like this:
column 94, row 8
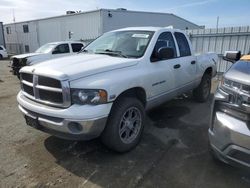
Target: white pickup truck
column 47, row 51
column 105, row 90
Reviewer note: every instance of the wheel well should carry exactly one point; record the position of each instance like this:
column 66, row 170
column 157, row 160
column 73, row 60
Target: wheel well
column 209, row 71
column 137, row 92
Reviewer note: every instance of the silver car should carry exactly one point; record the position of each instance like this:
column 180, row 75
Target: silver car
column 229, row 131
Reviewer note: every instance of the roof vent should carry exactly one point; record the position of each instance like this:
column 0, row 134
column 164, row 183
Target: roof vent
column 70, row 12
column 124, row 9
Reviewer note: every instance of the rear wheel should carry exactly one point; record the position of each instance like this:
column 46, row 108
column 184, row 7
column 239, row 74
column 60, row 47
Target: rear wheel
column 125, row 125
column 1, row 57
column 202, row 92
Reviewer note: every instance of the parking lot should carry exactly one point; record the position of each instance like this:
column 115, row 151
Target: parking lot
column 173, row 151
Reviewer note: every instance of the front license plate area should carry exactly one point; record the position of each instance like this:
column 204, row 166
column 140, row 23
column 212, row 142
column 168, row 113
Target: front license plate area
column 33, row 122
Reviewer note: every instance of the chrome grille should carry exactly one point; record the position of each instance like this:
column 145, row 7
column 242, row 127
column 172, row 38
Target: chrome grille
column 239, row 94
column 46, row 90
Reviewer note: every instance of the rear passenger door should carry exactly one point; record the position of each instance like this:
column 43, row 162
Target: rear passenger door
column 76, row 47
column 187, row 60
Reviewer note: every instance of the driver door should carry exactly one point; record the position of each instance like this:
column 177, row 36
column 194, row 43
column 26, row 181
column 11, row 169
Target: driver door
column 61, row 50
column 164, row 73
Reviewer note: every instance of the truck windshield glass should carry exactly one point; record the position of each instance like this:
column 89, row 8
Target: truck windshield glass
column 45, row 48
column 129, row 44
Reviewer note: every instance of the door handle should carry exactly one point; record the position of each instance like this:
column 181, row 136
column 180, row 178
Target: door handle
column 193, row 62
column 177, row 66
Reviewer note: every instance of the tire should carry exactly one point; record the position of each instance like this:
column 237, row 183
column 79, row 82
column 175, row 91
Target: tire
column 120, row 124
column 202, row 92
column 1, row 57
column 18, row 75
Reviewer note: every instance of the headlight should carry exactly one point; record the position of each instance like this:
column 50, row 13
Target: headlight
column 89, row 96
column 238, row 87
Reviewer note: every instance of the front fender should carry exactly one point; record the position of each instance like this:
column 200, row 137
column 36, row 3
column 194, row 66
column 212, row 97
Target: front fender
column 114, row 82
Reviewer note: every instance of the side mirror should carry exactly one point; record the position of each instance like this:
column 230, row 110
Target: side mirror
column 232, row 56
column 55, row 51
column 165, row 53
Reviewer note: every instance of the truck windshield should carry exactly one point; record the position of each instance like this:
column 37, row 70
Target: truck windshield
column 129, row 44
column 45, row 48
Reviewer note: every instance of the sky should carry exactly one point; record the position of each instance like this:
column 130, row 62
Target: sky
column 201, row 12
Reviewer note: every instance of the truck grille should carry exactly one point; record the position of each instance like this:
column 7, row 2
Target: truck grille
column 46, row 90
column 239, row 94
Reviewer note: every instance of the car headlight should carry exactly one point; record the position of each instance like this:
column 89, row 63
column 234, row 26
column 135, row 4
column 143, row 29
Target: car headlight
column 89, row 96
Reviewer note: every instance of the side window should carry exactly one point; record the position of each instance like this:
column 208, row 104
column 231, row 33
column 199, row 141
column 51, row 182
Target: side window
column 25, row 28
column 27, row 48
column 182, row 44
column 165, row 40
column 76, row 47
column 1, row 48
column 8, row 30
column 61, row 48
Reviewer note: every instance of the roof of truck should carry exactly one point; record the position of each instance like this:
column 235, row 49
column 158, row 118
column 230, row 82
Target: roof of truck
column 60, row 42
column 149, row 28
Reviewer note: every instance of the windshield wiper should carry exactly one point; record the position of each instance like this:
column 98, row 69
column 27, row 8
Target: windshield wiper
column 112, row 52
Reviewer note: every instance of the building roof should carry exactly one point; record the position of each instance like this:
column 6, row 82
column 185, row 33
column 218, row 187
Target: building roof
column 97, row 10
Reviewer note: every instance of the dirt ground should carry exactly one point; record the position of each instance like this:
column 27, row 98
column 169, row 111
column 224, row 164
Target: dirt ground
column 173, row 152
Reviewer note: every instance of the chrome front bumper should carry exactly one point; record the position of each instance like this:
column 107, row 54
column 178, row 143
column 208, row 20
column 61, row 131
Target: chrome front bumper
column 67, row 128
column 229, row 134
column 65, row 123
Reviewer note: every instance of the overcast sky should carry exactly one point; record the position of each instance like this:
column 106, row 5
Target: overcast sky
column 201, row 12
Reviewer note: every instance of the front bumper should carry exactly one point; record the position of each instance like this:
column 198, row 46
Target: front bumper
column 229, row 135
column 4, row 54
column 75, row 123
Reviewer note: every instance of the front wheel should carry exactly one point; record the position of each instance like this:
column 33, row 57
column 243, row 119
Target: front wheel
column 202, row 92
column 125, row 125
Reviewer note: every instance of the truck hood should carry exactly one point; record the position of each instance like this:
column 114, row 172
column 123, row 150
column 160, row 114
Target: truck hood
column 78, row 66
column 239, row 72
column 21, row 56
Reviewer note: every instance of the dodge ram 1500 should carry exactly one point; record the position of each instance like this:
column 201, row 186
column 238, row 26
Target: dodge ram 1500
column 105, row 90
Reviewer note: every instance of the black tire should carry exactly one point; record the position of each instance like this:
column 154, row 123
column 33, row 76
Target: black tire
column 111, row 135
column 1, row 57
column 18, row 75
column 202, row 92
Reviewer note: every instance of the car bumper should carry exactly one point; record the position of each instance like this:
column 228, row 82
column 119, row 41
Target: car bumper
column 4, row 54
column 75, row 123
column 230, row 139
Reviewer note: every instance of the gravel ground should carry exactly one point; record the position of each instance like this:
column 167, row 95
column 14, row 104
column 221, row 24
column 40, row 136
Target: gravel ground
column 173, row 151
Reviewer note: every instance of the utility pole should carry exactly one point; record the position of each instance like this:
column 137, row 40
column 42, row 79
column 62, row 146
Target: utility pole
column 217, row 23
column 17, row 38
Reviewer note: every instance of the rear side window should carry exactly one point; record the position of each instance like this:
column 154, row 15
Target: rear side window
column 182, row 44
column 76, row 47
column 61, row 48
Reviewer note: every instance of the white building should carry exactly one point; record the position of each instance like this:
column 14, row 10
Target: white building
column 29, row 35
